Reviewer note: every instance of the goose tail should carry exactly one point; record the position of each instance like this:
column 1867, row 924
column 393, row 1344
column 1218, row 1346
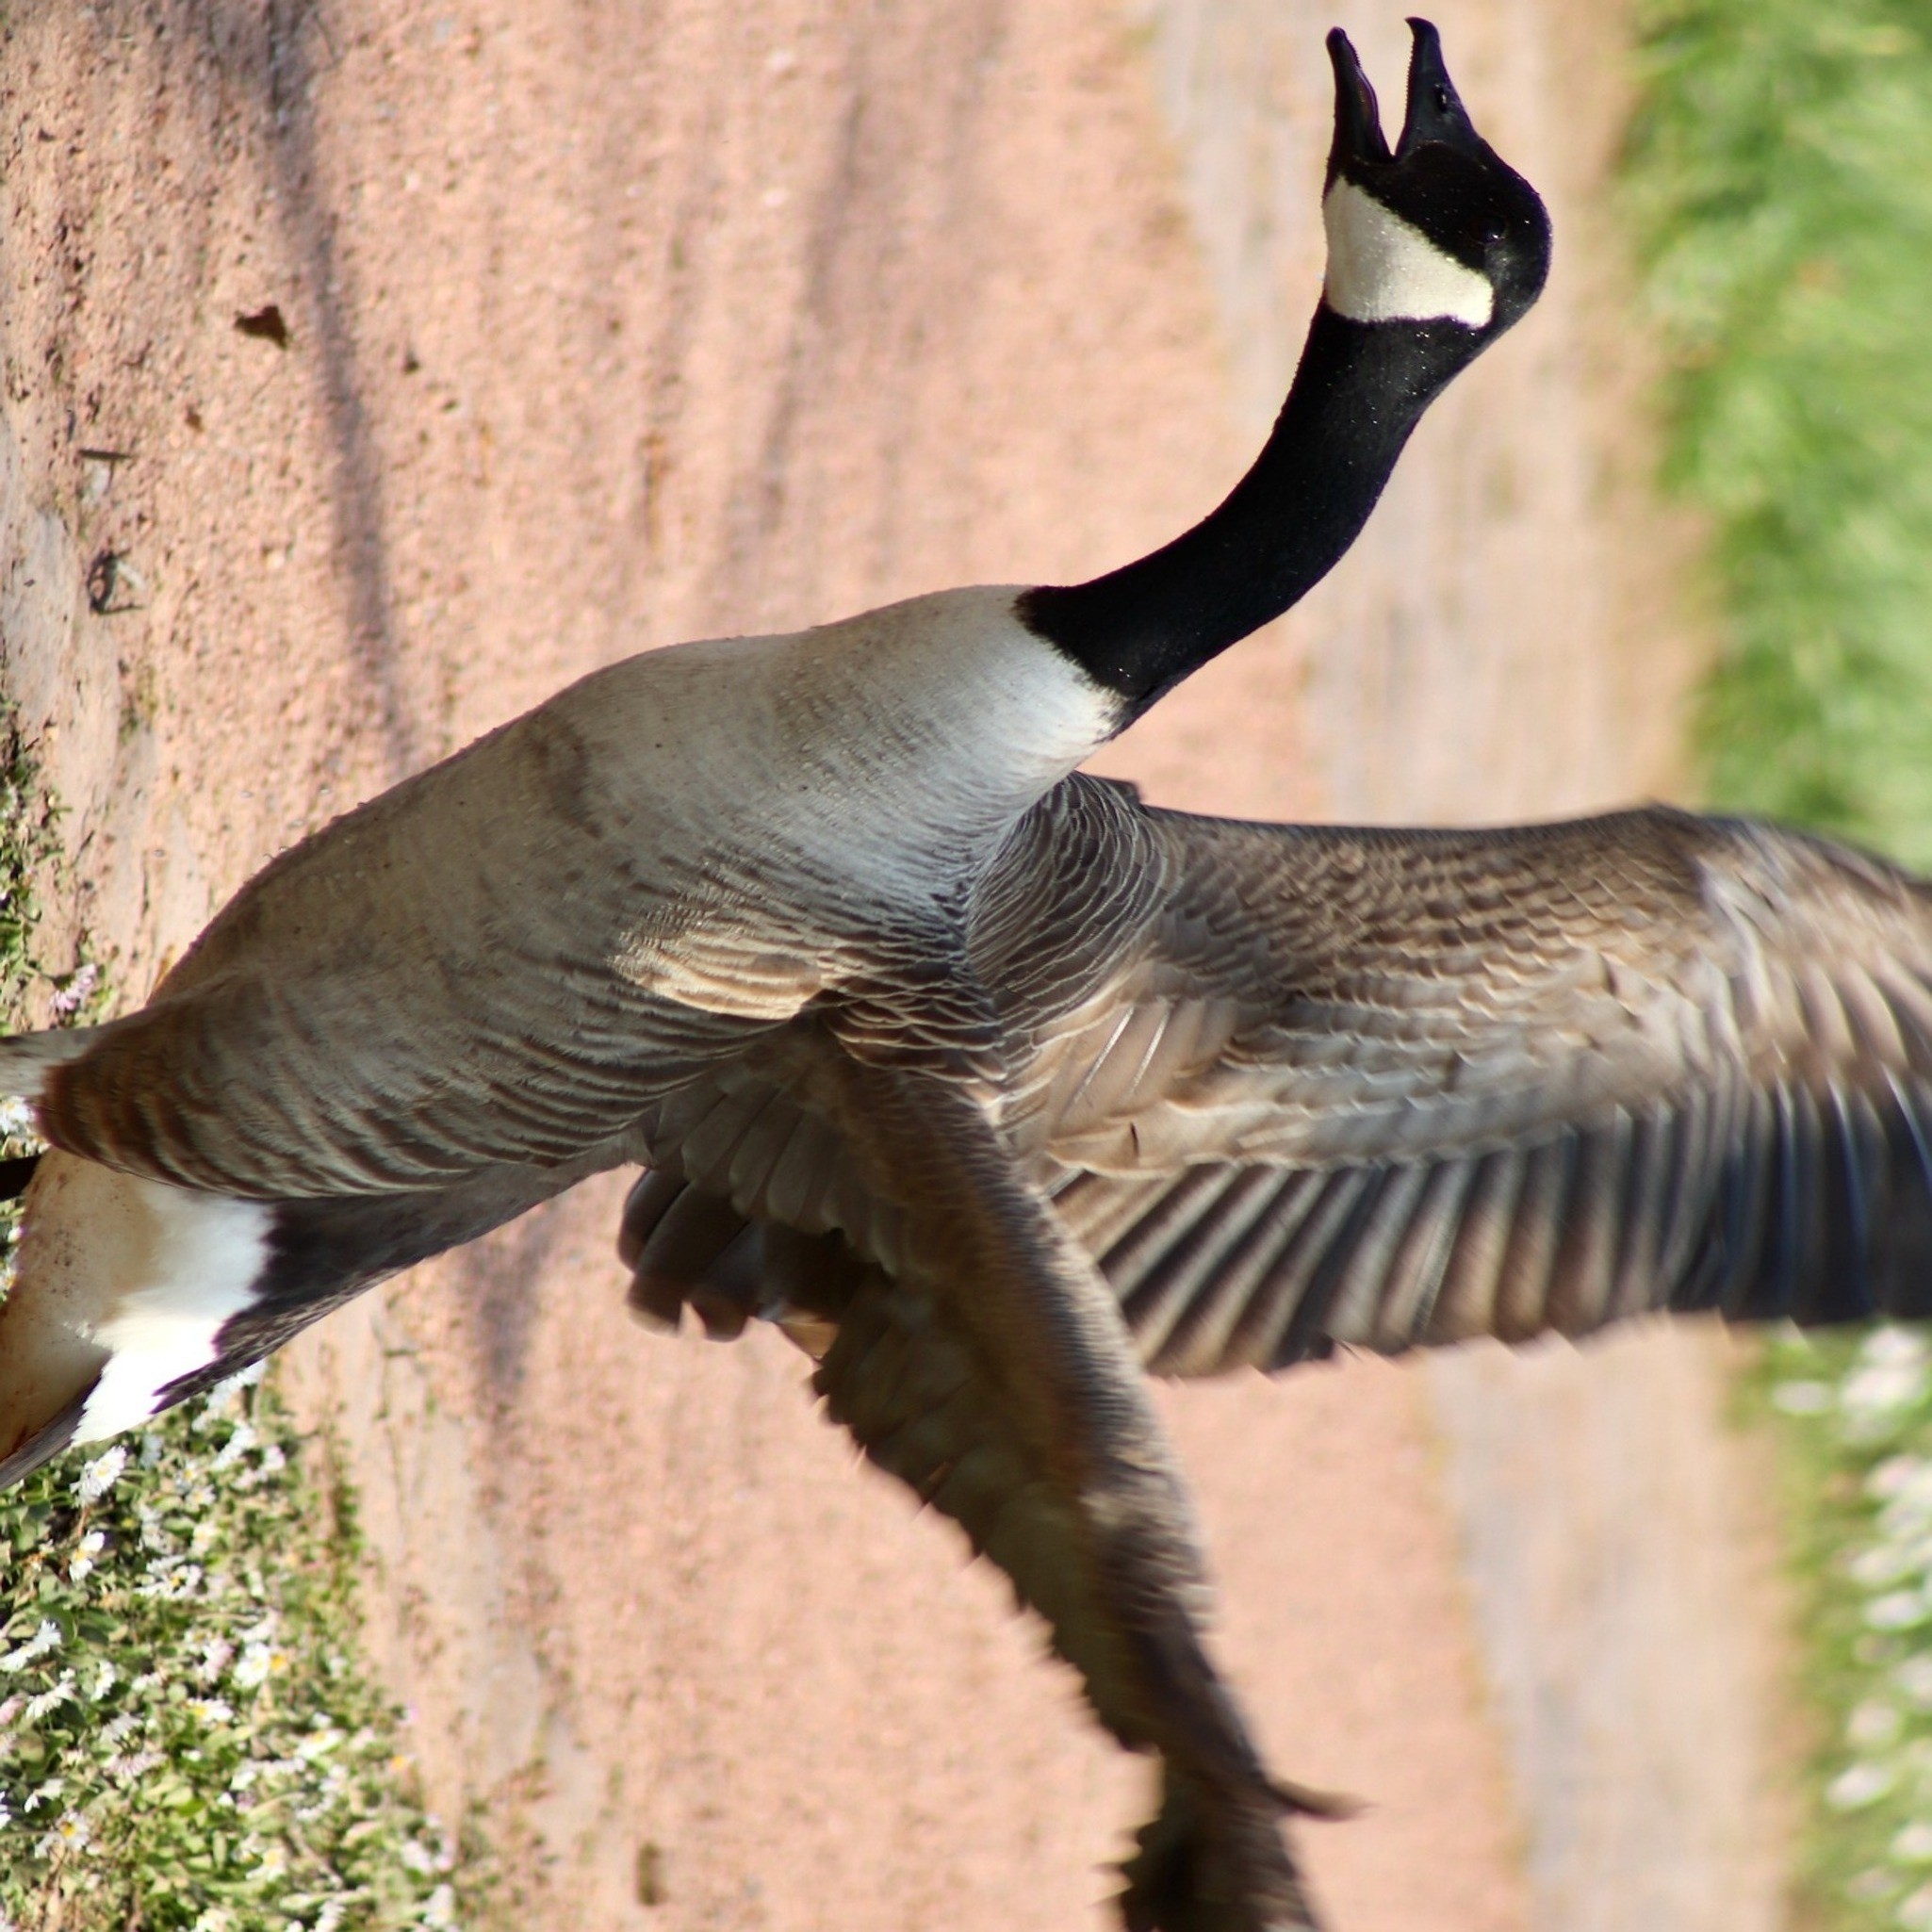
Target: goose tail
column 122, row 1290
column 26, row 1058
column 130, row 1294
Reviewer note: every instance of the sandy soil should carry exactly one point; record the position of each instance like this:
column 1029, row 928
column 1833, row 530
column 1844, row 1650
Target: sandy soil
column 609, row 326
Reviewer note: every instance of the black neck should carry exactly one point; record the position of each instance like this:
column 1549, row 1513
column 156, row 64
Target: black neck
column 1360, row 389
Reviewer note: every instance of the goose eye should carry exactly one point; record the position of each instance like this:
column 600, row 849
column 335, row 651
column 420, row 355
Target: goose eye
column 1442, row 100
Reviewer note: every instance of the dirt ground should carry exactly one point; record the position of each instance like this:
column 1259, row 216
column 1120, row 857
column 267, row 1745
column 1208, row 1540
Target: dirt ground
column 575, row 327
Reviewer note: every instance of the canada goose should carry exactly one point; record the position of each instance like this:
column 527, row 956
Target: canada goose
column 994, row 1085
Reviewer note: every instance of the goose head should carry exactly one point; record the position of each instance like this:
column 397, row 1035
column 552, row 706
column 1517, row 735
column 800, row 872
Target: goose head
column 1438, row 230
column 1435, row 247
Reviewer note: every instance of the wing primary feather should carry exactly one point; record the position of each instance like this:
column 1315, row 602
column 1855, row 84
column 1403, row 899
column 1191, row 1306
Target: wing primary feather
column 1415, row 1274
column 1592, row 1246
column 1192, row 1264
column 1904, row 1269
column 1308, row 1323
column 1272, row 1324
column 1787, row 1220
column 1837, row 1280
column 1523, row 1282
column 1655, row 1177
column 1747, row 1182
column 1138, row 1253
column 1689, row 1264
column 1464, row 1302
column 1362, row 1282
column 1203, row 1340
column 652, row 1197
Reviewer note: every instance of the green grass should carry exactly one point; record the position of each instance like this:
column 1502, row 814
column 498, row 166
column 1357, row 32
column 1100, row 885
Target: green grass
column 188, row 1742
column 186, row 1736
column 1780, row 177
column 1850, row 1416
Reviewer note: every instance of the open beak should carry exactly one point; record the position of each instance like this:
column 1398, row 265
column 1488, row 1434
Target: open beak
column 1358, row 137
column 1436, row 111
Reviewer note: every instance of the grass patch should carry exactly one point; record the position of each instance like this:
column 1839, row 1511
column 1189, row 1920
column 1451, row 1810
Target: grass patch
column 1851, row 1419
column 187, row 1741
column 1780, row 174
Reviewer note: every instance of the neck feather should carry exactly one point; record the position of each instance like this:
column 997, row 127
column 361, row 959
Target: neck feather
column 1360, row 390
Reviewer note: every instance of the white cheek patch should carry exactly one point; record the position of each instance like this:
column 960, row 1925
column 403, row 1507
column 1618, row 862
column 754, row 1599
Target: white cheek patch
column 1381, row 268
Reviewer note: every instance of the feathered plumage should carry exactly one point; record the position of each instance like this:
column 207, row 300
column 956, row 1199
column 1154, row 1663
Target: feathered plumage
column 992, row 1084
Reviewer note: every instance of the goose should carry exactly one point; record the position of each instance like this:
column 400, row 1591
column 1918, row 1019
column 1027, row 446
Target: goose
column 996, row 1087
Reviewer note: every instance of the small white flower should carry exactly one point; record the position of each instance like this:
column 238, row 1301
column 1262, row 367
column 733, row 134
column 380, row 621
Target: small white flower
column 1877, row 1393
column 1882, row 1564
column 43, row 1640
column 1913, row 1846
column 237, row 1446
column 1802, row 1398
column 441, row 1909
column 1893, row 1346
column 63, row 1692
column 252, row 1670
column 46, row 1794
column 1894, row 1476
column 210, row 1710
column 331, row 1916
column 216, row 1655
column 1873, row 1722
column 1898, row 1610
column 105, row 1681
column 1860, row 1784
column 99, row 1476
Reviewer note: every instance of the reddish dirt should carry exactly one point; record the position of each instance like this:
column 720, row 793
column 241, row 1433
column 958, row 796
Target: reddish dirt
column 608, row 327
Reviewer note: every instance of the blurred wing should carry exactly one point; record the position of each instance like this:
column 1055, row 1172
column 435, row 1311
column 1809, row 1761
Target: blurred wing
column 976, row 1354
column 1298, row 1085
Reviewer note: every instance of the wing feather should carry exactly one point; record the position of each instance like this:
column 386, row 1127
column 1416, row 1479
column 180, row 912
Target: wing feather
column 1578, row 1070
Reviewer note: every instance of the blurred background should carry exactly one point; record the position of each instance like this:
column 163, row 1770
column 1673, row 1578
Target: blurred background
column 373, row 367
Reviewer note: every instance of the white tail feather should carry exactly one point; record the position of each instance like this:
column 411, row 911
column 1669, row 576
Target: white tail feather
column 25, row 1058
column 121, row 1286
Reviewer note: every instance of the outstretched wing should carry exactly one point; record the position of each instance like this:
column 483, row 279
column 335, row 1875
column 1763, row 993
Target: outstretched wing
column 1295, row 1085
column 978, row 1355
